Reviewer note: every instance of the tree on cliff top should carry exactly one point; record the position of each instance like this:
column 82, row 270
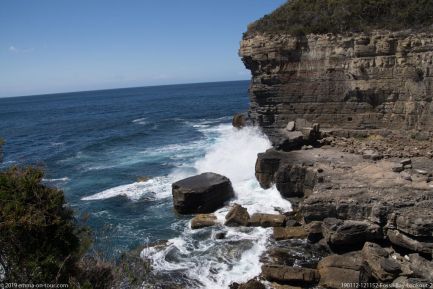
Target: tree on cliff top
column 340, row 16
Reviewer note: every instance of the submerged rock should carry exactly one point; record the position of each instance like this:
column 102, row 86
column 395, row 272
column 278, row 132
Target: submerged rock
column 203, row 193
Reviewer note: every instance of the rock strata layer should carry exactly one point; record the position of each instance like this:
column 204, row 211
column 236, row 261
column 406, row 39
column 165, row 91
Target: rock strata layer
column 380, row 80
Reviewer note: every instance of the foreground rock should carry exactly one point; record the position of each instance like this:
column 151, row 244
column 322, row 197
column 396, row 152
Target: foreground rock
column 237, row 216
column 203, row 193
column 203, row 220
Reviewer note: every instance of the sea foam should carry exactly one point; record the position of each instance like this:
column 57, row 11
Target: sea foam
column 217, row 263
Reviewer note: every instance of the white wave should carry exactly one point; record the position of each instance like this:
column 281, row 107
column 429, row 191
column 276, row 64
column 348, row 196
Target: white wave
column 141, row 121
column 64, row 179
column 158, row 187
column 211, row 262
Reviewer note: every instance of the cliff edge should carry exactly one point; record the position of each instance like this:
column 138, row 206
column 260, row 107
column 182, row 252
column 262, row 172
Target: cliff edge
column 371, row 79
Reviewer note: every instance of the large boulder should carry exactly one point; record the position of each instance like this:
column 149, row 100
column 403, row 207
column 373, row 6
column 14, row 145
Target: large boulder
column 202, row 194
column 237, row 216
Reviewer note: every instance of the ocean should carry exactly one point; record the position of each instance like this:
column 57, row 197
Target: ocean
column 115, row 154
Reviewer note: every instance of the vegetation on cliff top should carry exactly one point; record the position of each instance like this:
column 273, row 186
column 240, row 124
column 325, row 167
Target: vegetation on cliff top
column 340, row 16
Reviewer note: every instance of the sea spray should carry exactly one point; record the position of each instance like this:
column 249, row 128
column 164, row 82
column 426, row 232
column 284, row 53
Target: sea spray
column 217, row 263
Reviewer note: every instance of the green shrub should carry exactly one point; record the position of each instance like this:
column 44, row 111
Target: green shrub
column 40, row 240
column 340, row 16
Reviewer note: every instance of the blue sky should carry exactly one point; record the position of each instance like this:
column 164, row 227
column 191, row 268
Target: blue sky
column 49, row 46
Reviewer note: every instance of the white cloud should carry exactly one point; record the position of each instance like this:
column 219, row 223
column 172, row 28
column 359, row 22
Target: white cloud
column 14, row 49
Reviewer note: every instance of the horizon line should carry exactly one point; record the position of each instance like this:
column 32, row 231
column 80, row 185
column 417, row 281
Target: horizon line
column 129, row 87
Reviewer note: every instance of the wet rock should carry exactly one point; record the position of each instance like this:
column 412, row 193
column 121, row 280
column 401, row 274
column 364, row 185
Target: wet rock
column 290, row 275
column 220, row 235
column 203, row 193
column 203, row 220
column 237, row 216
column 383, row 268
column 239, row 120
column 338, row 269
column 286, row 233
column 267, row 220
column 349, row 232
column 251, row 284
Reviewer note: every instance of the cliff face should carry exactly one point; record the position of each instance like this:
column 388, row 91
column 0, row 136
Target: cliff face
column 379, row 80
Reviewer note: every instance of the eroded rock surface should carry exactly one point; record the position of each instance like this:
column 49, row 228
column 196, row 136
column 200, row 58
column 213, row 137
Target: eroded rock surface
column 379, row 80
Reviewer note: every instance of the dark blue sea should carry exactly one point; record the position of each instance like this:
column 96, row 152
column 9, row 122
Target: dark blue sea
column 115, row 153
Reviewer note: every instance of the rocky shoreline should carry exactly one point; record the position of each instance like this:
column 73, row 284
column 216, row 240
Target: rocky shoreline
column 361, row 215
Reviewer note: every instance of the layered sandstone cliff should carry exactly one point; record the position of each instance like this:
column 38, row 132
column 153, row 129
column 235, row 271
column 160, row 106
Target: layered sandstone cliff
column 377, row 80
